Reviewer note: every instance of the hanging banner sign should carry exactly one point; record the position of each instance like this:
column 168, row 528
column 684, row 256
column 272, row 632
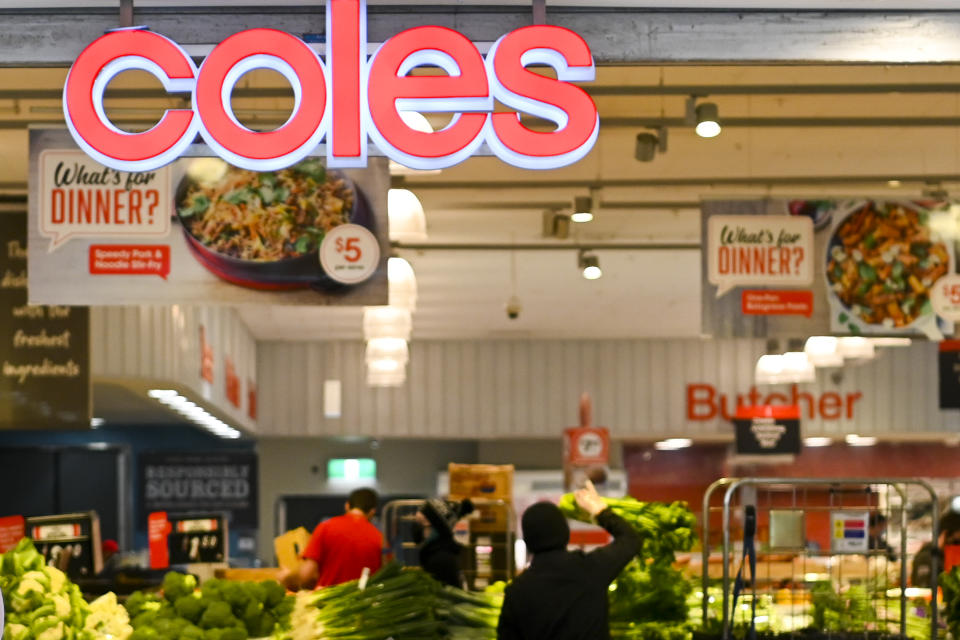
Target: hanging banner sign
column 345, row 98
column 843, row 267
column 201, row 231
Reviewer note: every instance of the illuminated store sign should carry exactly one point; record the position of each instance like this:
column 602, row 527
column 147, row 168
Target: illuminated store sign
column 346, row 99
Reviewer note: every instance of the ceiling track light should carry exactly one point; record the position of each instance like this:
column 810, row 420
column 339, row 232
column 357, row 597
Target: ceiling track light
column 704, row 116
column 648, row 144
column 584, row 207
column 556, row 225
column 589, row 265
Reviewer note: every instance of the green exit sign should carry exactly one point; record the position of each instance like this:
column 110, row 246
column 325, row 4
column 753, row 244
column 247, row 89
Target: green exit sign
column 352, row 469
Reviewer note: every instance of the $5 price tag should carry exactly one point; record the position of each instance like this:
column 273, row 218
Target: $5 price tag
column 945, row 297
column 349, row 254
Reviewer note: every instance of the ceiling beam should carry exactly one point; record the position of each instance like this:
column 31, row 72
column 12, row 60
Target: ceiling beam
column 617, row 35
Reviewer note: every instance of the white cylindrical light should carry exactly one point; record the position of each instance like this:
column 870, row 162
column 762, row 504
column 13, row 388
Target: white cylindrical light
column 769, row 369
column 708, row 120
column 380, row 350
column 402, row 283
column 408, row 223
column 856, row 348
column 823, row 351
column 798, row 367
column 386, row 322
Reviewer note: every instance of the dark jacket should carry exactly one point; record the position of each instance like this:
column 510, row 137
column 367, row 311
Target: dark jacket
column 563, row 595
column 440, row 557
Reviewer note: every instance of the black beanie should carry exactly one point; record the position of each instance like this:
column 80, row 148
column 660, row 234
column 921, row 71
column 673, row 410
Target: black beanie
column 443, row 515
column 545, row 528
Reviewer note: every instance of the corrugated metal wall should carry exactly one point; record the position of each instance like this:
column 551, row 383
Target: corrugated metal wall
column 162, row 345
column 531, row 388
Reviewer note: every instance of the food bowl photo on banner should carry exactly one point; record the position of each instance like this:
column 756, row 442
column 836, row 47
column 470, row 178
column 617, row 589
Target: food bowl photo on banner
column 264, row 230
column 881, row 261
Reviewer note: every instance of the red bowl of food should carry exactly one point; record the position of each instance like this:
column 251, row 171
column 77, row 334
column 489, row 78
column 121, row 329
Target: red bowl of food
column 263, row 229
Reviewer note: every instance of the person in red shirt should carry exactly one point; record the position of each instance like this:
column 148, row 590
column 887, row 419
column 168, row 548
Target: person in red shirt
column 342, row 547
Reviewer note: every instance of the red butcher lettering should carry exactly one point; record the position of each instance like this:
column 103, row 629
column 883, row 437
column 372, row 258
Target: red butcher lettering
column 705, row 403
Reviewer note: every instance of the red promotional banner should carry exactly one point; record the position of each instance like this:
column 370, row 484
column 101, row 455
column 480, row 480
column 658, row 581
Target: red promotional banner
column 233, row 383
column 158, row 528
column 130, row 260
column 763, row 302
column 12, row 529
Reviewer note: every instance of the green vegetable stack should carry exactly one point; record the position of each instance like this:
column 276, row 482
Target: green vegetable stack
column 42, row 604
column 950, row 584
column 220, row 610
column 470, row 616
column 649, row 598
column 394, row 604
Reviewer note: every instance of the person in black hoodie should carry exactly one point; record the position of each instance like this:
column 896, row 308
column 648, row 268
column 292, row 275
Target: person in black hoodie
column 440, row 554
column 563, row 594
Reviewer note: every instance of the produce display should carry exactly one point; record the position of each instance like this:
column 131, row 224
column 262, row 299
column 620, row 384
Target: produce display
column 394, row 603
column 649, row 598
column 42, row 604
column 950, row 585
column 219, row 610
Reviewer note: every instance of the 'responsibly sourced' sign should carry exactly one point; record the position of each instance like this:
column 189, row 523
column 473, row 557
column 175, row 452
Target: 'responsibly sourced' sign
column 199, row 230
column 815, row 267
column 347, row 99
column 185, row 483
column 44, row 351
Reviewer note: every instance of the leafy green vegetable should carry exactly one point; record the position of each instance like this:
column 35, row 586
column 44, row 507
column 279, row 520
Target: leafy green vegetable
column 867, row 273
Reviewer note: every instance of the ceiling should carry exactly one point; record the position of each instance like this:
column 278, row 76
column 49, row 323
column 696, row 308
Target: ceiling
column 802, row 130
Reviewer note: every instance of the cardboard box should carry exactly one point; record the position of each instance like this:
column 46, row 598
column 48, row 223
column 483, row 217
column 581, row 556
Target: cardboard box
column 490, row 481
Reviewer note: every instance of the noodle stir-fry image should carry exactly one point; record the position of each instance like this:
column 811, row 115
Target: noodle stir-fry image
column 266, row 217
column 882, row 263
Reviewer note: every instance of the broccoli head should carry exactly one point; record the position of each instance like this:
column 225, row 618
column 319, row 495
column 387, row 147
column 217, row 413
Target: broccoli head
column 191, row 632
column 145, row 618
column 176, row 585
column 140, row 601
column 218, row 615
column 210, row 589
column 190, row 607
column 144, row 633
column 274, row 593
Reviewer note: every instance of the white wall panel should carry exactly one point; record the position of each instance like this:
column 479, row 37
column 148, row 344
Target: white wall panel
column 502, row 389
column 147, row 346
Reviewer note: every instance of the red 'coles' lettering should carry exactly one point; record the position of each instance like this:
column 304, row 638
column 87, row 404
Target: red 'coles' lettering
column 364, row 99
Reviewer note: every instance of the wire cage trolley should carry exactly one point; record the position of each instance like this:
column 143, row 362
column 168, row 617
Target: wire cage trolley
column 791, row 505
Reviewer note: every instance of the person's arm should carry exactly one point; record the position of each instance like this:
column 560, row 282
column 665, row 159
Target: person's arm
column 309, row 570
column 610, row 560
column 308, row 573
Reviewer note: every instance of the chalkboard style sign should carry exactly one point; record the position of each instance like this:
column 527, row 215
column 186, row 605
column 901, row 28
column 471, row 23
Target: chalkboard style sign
column 44, row 351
